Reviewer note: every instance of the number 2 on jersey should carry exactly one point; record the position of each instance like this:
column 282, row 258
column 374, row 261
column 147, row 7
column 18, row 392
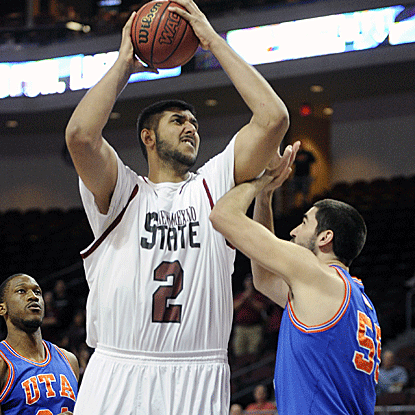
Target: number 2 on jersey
column 162, row 311
column 366, row 342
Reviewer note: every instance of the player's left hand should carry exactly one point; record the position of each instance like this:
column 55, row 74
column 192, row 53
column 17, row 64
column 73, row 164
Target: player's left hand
column 199, row 22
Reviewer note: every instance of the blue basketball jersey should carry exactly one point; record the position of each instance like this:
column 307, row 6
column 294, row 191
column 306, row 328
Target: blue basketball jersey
column 47, row 388
column 331, row 368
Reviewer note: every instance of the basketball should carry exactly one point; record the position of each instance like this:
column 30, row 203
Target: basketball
column 162, row 39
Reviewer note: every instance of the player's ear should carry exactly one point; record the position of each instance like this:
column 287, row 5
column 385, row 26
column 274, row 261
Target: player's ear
column 148, row 137
column 3, row 309
column 325, row 238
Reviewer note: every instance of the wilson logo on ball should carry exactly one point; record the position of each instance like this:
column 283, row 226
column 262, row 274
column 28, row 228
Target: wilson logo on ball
column 146, row 23
column 170, row 29
column 162, row 38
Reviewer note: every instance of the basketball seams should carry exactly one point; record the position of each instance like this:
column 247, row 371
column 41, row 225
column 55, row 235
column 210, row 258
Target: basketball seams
column 177, row 43
column 180, row 44
column 156, row 32
column 136, row 33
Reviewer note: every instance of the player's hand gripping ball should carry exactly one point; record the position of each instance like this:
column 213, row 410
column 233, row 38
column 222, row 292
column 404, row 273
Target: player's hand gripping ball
column 162, row 39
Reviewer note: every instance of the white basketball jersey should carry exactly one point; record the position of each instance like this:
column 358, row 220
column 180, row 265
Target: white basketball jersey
column 159, row 274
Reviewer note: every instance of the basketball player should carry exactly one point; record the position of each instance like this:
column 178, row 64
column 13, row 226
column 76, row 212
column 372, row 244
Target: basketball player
column 36, row 377
column 159, row 311
column 329, row 342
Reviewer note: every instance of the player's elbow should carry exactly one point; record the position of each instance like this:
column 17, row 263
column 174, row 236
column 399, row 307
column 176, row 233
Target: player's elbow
column 280, row 120
column 73, row 135
column 220, row 219
column 77, row 138
column 258, row 283
column 216, row 218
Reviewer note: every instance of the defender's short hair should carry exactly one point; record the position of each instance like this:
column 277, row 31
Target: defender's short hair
column 348, row 227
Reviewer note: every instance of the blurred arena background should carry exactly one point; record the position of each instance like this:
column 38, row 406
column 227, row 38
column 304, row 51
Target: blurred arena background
column 354, row 109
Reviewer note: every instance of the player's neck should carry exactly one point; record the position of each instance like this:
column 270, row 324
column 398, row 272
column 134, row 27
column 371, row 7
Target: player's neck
column 29, row 345
column 331, row 259
column 164, row 175
column 336, row 262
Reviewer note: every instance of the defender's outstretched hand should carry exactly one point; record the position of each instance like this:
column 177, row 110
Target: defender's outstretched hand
column 279, row 169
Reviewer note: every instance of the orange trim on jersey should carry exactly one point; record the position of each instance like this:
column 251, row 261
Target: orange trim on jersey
column 357, row 281
column 329, row 323
column 10, row 378
column 111, row 227
column 33, row 362
column 65, row 357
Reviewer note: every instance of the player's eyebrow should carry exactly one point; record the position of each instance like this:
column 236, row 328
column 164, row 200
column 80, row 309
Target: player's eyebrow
column 183, row 118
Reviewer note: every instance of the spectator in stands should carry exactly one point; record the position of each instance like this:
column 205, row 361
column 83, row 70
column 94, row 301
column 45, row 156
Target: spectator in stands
column 64, row 304
column 77, row 330
column 83, row 354
column 261, row 403
column 392, row 377
column 301, row 181
column 50, row 325
column 272, row 327
column 249, row 307
column 236, row 409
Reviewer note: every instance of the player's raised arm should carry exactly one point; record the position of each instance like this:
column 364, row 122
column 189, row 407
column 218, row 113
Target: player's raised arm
column 253, row 239
column 269, row 283
column 93, row 157
column 258, row 140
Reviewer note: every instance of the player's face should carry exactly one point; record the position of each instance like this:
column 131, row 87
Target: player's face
column 24, row 305
column 305, row 233
column 177, row 137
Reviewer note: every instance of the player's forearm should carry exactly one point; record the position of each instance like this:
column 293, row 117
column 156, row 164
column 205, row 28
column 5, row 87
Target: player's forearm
column 92, row 113
column 230, row 210
column 263, row 210
column 268, row 109
column 263, row 215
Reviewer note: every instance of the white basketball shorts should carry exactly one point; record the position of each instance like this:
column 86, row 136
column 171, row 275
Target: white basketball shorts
column 143, row 383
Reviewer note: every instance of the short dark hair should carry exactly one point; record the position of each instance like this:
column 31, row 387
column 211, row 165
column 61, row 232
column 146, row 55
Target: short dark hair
column 4, row 285
column 150, row 116
column 348, row 227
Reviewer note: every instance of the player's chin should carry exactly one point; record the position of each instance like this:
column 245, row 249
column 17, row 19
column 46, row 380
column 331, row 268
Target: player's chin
column 188, row 158
column 33, row 323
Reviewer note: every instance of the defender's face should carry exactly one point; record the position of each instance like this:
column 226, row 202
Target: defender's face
column 177, row 136
column 305, row 233
column 24, row 305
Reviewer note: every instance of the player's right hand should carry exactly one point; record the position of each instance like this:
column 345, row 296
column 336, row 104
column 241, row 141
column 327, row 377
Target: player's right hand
column 279, row 168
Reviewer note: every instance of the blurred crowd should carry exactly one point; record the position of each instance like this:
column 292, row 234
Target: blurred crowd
column 47, row 21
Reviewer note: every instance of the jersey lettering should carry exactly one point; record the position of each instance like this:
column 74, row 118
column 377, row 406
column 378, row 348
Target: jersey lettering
column 163, row 312
column 32, row 389
column 47, row 380
column 171, row 229
column 378, row 340
column 47, row 412
column 362, row 363
column 66, row 388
